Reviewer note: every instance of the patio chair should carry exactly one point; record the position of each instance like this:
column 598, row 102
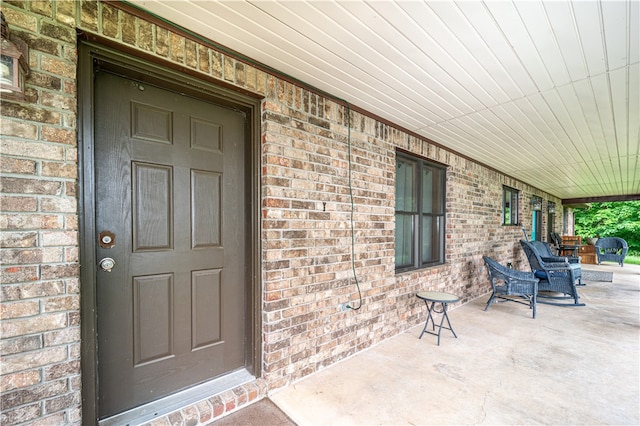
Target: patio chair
column 555, row 277
column 510, row 285
column 546, row 254
column 556, row 240
column 611, row 249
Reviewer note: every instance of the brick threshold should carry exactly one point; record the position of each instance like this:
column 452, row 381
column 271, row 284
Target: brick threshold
column 199, row 410
column 214, row 407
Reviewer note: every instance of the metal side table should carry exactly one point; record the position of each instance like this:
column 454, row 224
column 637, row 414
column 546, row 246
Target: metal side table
column 430, row 299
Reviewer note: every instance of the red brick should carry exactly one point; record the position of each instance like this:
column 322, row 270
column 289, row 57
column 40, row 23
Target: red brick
column 56, row 134
column 109, row 21
column 218, row 406
column 20, row 414
column 35, row 393
column 19, row 380
column 66, row 12
column 58, row 67
column 145, row 38
column 63, row 336
column 177, row 46
column 42, row 7
column 56, row 371
column 29, row 290
column 58, row 204
column 20, row 327
column 61, row 303
column 175, row 418
column 57, row 32
column 128, row 29
column 18, row 274
column 20, row 256
column 190, row 416
column 89, row 15
column 17, row 166
column 63, row 402
column 20, row 129
column 31, row 149
column 18, row 204
column 19, row 309
column 63, row 170
column 204, row 63
column 30, row 186
column 30, row 221
column 20, row 344
column 205, row 411
column 20, row 19
column 65, row 270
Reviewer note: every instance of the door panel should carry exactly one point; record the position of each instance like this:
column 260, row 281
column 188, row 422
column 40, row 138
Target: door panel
column 170, row 185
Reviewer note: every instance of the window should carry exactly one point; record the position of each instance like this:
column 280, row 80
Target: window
column 509, row 206
column 551, row 219
column 420, row 213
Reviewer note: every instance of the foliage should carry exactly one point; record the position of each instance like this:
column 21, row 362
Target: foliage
column 611, row 219
column 632, row 260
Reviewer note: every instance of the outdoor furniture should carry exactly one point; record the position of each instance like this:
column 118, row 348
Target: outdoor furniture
column 611, row 249
column 430, row 299
column 555, row 240
column 546, row 254
column 567, row 247
column 510, row 285
column 555, row 277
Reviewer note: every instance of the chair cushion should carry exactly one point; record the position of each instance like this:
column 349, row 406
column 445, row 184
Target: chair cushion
column 540, row 274
column 543, row 275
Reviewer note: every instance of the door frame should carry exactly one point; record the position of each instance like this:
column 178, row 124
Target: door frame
column 94, row 55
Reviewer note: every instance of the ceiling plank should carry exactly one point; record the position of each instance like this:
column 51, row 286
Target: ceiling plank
column 547, row 92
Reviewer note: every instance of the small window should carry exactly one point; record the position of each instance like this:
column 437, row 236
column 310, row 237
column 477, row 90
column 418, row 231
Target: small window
column 420, row 213
column 509, row 206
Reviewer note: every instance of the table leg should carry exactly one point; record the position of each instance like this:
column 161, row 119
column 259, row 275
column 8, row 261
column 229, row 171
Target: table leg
column 429, row 317
column 444, row 315
column 430, row 311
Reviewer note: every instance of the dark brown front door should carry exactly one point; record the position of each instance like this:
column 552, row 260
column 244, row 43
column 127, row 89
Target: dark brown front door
column 170, row 200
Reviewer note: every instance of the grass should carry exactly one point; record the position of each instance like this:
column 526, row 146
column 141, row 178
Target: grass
column 632, row 260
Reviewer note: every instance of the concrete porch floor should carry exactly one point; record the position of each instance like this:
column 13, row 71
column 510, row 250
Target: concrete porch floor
column 571, row 365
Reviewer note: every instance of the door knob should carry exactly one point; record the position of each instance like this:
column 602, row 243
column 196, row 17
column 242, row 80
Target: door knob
column 107, row 264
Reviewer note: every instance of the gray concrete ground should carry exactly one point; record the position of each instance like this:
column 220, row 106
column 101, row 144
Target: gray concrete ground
column 571, row 365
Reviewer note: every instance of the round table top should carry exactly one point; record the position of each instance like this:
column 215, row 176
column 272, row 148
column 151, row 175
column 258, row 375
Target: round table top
column 438, row 296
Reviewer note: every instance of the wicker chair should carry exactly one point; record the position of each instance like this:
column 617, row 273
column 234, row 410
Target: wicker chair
column 556, row 240
column 546, row 254
column 611, row 249
column 563, row 249
column 555, row 277
column 509, row 285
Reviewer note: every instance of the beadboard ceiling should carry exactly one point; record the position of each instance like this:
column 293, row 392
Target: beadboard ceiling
column 545, row 91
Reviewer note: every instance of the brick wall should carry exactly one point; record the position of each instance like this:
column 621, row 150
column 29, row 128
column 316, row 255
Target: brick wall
column 40, row 290
column 306, row 219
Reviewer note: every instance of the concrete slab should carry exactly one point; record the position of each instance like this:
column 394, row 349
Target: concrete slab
column 571, row 365
column 263, row 413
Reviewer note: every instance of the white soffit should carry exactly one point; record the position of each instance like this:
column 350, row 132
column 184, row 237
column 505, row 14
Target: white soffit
column 545, row 91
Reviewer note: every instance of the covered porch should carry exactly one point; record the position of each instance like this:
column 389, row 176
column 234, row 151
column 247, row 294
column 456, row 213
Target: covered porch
column 515, row 120
column 568, row 366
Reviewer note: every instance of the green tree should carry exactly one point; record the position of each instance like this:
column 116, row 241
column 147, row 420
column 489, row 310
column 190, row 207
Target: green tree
column 611, row 219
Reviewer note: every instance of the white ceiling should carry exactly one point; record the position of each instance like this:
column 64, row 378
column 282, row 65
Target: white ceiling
column 545, row 91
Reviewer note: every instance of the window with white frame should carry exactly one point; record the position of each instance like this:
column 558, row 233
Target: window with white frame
column 420, row 213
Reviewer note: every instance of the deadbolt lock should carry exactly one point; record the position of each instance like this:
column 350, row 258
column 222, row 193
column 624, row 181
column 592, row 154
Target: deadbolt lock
column 107, row 239
column 107, row 264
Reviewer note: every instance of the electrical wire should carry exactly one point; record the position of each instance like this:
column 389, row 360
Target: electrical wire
column 353, row 231
column 253, row 62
